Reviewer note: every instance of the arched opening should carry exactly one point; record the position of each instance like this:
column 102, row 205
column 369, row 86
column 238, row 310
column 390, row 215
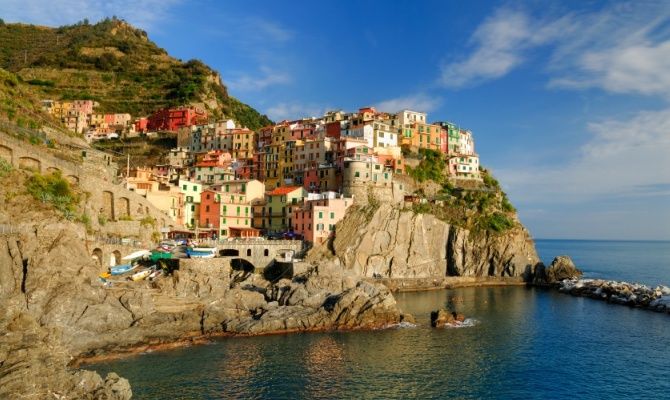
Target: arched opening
column 6, row 153
column 229, row 253
column 266, row 253
column 248, row 252
column 124, row 206
column 115, row 258
column 240, row 264
column 97, row 255
column 74, row 179
column 52, row 170
column 30, row 163
column 108, row 205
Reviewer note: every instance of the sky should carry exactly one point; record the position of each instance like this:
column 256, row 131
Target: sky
column 569, row 102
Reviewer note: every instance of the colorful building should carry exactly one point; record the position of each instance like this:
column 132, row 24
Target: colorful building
column 315, row 220
column 277, row 212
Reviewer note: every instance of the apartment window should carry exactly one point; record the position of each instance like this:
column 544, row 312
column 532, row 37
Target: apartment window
column 206, row 208
column 332, row 215
column 357, row 174
column 195, row 188
column 238, row 211
column 185, row 187
column 320, row 214
column 192, row 208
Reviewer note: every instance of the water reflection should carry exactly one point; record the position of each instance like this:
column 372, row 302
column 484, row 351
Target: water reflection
column 527, row 343
column 324, row 359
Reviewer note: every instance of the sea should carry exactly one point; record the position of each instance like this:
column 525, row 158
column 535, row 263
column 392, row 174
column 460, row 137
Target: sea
column 517, row 343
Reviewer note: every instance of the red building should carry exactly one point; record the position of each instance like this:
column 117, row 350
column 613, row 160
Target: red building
column 141, row 125
column 210, row 210
column 171, row 119
column 334, row 129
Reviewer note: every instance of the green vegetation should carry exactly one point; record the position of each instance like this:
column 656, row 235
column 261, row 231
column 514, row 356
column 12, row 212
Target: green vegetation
column 483, row 208
column 148, row 221
column 431, row 167
column 115, row 64
column 5, row 168
column 497, row 222
column 55, row 190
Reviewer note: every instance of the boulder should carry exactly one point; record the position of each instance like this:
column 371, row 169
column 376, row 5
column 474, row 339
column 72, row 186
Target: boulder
column 441, row 317
column 562, row 268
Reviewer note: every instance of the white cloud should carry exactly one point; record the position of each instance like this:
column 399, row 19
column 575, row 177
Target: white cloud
column 621, row 48
column 418, row 102
column 294, row 110
column 267, row 77
column 145, row 14
column 624, row 158
column 499, row 46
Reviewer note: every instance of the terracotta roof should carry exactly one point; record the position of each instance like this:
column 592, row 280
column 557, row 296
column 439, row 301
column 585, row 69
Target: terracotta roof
column 283, row 190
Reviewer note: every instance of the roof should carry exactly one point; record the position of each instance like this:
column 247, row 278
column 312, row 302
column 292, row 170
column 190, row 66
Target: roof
column 280, row 191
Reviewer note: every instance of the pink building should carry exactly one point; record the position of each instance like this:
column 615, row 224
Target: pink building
column 316, row 219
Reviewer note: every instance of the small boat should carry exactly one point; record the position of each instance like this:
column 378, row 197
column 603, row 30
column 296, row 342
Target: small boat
column 122, row 269
column 160, row 255
column 155, row 274
column 137, row 254
column 138, row 276
column 201, row 252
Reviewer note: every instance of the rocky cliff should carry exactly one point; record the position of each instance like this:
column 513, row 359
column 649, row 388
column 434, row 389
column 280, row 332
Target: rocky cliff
column 54, row 309
column 398, row 243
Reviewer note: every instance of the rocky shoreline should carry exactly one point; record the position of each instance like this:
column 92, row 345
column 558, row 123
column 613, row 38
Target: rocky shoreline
column 624, row 293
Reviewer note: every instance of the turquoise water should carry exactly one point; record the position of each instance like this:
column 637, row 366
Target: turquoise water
column 524, row 343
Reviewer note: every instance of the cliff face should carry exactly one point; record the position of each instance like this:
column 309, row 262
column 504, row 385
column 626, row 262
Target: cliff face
column 53, row 308
column 394, row 243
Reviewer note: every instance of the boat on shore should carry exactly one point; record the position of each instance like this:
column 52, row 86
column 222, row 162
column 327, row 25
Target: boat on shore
column 138, row 276
column 201, row 252
column 122, row 269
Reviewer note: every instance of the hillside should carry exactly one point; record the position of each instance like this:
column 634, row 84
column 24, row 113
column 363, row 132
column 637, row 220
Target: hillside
column 118, row 66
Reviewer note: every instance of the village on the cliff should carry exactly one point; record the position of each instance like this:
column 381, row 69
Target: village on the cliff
column 294, row 179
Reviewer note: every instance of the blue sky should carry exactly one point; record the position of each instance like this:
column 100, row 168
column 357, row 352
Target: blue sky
column 568, row 102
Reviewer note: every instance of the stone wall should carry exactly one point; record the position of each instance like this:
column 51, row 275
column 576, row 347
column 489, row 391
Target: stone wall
column 105, row 197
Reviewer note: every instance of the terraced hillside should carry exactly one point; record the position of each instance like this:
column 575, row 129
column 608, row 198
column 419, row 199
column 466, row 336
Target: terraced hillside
column 117, row 65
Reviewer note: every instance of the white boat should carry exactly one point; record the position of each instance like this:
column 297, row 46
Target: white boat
column 201, row 252
column 137, row 254
column 138, row 276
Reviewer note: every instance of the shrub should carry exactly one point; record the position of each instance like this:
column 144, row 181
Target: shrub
column 498, row 222
column 506, row 205
column 431, row 167
column 55, row 190
column 102, row 220
column 148, row 221
column 5, row 168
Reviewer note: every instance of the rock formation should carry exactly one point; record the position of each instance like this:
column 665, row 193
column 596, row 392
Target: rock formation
column 393, row 243
column 560, row 268
column 631, row 294
column 442, row 318
column 54, row 308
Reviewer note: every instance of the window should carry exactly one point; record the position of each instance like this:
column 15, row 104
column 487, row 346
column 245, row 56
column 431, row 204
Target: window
column 332, row 215
column 266, row 252
column 193, row 208
column 357, row 174
column 248, row 252
column 320, row 214
column 206, row 208
column 185, row 187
